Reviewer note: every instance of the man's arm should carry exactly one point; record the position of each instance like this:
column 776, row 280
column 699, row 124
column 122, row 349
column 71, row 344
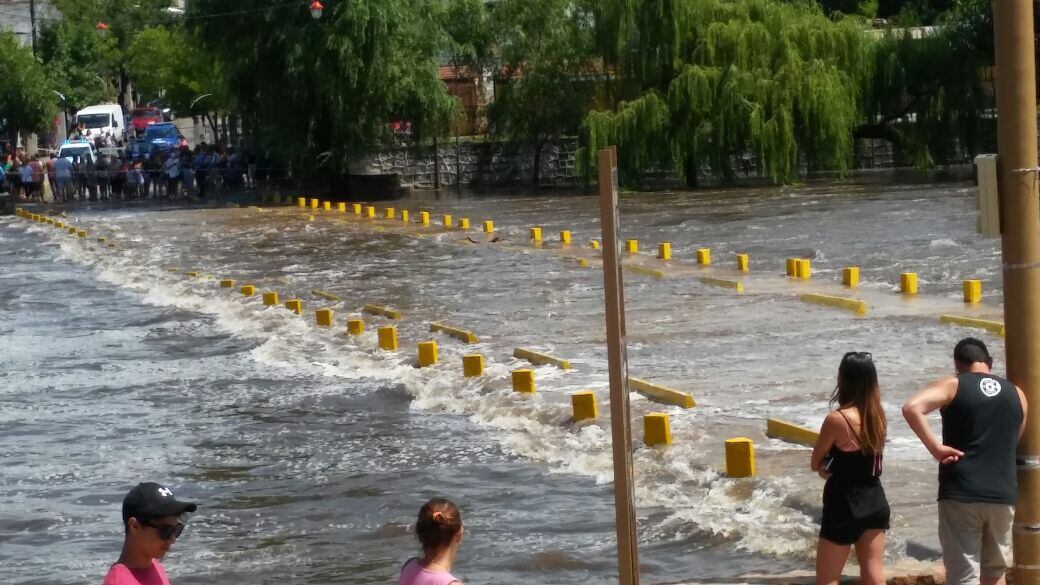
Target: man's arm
column 1025, row 411
column 915, row 411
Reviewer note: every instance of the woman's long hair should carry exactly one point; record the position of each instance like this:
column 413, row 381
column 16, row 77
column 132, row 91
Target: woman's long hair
column 858, row 387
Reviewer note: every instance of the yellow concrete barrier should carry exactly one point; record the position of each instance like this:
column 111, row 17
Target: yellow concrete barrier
column 270, row 298
column 704, row 256
column 792, row 267
column 489, row 227
column 583, row 405
column 594, row 244
column 973, row 291
column 102, row 240
column 740, row 457
column 908, row 283
column 523, row 381
column 355, row 326
column 472, row 365
column 460, row 334
column 647, row 271
column 227, row 284
column 632, row 246
column 736, row 285
column 388, row 338
column 657, row 430
column 301, row 201
column 424, row 218
column 856, row 306
column 850, row 276
column 72, row 230
column 791, row 432
column 390, row 213
column 326, row 295
column 370, row 212
column 356, row 208
column 191, row 274
column 448, row 221
column 536, row 234
column 82, row 233
column 565, row 238
column 384, row 311
column 341, row 207
column 294, row 305
column 404, row 216
column 743, row 263
column 314, row 203
column 995, row 327
column 662, row 394
column 327, row 206
column 803, row 268
column 664, row 251
column 323, row 317
column 583, row 263
column 248, row 290
column 539, row 359
column 427, row 353
column 463, row 223
column 310, row 218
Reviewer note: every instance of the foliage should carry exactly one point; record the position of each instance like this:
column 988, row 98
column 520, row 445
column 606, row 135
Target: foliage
column 80, row 62
column 166, row 62
column 27, row 103
column 328, row 89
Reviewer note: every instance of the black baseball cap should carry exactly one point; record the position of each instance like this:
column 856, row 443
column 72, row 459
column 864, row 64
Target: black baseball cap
column 153, row 500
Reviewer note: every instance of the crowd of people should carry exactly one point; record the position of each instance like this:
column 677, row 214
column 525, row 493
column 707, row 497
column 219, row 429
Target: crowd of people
column 176, row 174
column 983, row 417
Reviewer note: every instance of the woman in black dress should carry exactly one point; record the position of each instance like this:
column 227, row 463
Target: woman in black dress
column 848, row 456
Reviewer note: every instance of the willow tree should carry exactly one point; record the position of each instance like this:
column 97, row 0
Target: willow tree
column 323, row 91
column 702, row 81
column 27, row 103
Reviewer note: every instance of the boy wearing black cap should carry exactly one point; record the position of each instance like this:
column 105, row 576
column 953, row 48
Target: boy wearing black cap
column 152, row 520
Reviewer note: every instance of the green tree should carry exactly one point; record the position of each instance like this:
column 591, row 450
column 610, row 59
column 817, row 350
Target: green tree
column 79, row 60
column 166, row 63
column 27, row 102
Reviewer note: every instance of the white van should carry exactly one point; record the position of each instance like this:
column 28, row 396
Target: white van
column 101, row 120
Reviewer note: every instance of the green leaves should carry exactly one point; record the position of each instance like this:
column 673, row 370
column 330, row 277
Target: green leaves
column 27, row 103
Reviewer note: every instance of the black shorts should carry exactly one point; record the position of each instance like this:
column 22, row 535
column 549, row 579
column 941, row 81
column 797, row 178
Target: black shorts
column 851, row 510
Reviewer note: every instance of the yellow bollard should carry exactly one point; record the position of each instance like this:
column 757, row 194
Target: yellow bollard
column 850, row 276
column 704, row 256
column 424, row 218
column 192, row 274
column 323, row 317
column 803, row 268
column 489, row 227
column 390, row 213
column 227, row 284
column 82, row 233
column 973, row 291
column 632, row 246
column 355, row 326
column 464, row 223
column 792, row 267
column 294, row 305
column 472, row 365
column 404, row 216
column 523, row 381
column 657, row 430
column 102, row 240
column 908, row 283
column 664, row 251
column 594, row 244
column 356, row 208
column 270, row 298
column 72, row 230
column 327, row 206
column 427, row 353
column 448, row 222
column 388, row 338
column 370, row 212
column 341, row 207
column 740, row 457
column 301, row 201
column 314, row 203
column 743, row 263
column 310, row 218
column 565, row 238
column 248, row 290
column 536, row 234
column 583, row 405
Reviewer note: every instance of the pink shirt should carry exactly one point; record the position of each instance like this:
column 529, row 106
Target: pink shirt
column 413, row 573
column 123, row 575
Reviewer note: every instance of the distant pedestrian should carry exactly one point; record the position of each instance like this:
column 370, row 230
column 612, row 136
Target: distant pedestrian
column 848, row 455
column 983, row 417
column 63, row 178
column 173, row 174
column 37, row 176
column 152, row 521
column 25, row 174
column 439, row 529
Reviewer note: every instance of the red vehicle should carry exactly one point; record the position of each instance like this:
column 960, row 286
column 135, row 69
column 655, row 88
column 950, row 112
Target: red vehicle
column 142, row 116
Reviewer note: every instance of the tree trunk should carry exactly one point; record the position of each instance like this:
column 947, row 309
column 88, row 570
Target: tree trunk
column 537, row 170
column 436, row 165
column 690, row 170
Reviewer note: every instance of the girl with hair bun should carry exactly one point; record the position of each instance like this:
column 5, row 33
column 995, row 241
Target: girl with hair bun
column 439, row 529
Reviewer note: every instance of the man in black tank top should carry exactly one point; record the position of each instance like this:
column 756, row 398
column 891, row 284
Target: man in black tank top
column 983, row 417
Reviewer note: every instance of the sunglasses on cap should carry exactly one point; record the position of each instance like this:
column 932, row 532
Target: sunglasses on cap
column 166, row 532
column 865, row 354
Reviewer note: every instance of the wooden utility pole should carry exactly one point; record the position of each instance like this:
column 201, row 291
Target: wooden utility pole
column 617, row 366
column 1020, row 244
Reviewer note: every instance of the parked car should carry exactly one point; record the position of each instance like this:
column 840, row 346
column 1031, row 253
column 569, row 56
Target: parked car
column 142, row 116
column 103, row 120
column 163, row 136
column 78, row 150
